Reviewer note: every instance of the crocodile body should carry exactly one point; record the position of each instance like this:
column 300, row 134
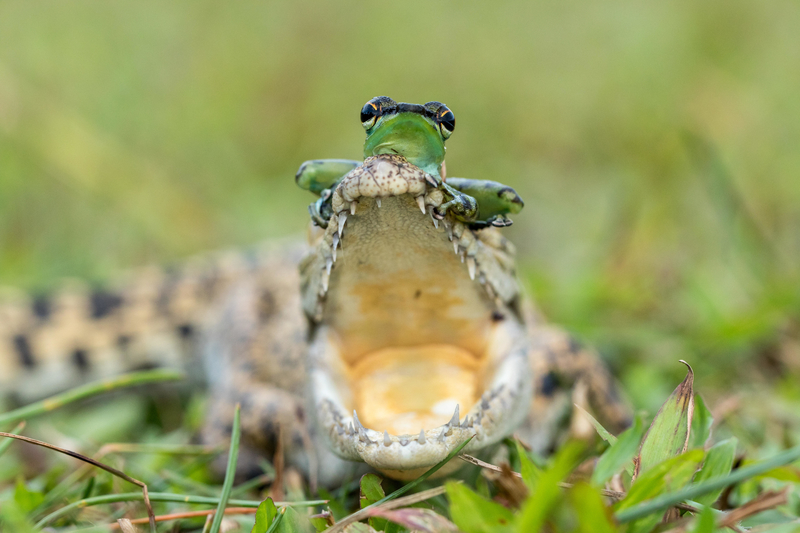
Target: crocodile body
column 395, row 333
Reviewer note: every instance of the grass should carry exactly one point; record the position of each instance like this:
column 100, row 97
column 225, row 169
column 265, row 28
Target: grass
column 654, row 145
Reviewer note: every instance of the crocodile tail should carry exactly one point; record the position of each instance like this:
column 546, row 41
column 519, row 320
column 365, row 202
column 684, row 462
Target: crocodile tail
column 78, row 332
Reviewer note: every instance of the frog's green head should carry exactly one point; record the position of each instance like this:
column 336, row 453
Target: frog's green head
column 416, row 132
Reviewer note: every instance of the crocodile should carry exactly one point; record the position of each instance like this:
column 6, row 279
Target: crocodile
column 395, row 333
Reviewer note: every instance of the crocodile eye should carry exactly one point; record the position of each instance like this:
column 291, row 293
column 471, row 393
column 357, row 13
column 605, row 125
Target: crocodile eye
column 447, row 122
column 369, row 114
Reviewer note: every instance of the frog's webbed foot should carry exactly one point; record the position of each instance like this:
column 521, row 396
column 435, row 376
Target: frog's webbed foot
column 319, row 175
column 321, row 210
column 497, row 221
column 462, row 205
column 494, row 201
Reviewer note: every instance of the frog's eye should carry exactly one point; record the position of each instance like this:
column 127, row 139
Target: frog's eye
column 447, row 122
column 369, row 114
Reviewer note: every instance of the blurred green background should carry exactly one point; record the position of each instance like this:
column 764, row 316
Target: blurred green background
column 655, row 144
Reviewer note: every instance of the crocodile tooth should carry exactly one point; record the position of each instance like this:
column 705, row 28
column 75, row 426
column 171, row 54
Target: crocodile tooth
column 328, row 266
column 455, row 419
column 471, row 267
column 431, row 180
column 378, row 202
column 357, row 422
column 353, row 206
column 404, row 441
column 351, row 430
column 335, row 239
column 421, row 203
column 442, row 434
column 484, row 405
column 463, row 254
column 421, row 438
column 325, row 278
column 342, row 220
column 467, row 422
column 435, row 222
column 449, row 229
column 387, row 441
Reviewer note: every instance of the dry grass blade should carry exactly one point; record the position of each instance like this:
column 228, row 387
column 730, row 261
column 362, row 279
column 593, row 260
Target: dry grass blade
column 665, row 501
column 483, row 464
column 98, row 464
column 359, row 515
column 392, row 504
column 617, row 495
column 763, row 502
column 167, row 449
column 188, row 514
column 126, row 526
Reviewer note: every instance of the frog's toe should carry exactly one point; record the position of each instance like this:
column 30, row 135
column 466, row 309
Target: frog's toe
column 463, row 206
column 500, row 221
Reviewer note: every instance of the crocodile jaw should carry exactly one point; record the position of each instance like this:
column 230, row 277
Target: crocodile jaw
column 409, row 326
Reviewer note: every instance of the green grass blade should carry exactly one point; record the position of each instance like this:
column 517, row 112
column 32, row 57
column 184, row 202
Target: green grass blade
column 718, row 463
column 619, row 455
column 668, row 435
column 473, row 513
column 277, row 522
column 693, row 491
column 85, row 391
column 162, row 497
column 590, row 510
column 405, row 488
column 230, row 472
column 265, row 516
column 669, row 475
column 702, row 420
column 537, row 506
column 603, row 432
column 4, row 445
column 530, row 472
column 402, row 490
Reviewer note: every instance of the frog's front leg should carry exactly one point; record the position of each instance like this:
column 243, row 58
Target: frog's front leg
column 494, row 201
column 320, row 176
column 317, row 175
column 463, row 206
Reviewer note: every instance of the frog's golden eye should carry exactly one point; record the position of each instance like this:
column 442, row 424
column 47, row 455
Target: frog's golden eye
column 447, row 122
column 370, row 113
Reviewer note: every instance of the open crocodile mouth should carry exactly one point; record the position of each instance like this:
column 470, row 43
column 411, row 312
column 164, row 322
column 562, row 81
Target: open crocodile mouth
column 417, row 344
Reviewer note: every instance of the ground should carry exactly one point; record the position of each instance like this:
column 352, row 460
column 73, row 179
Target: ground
column 655, row 146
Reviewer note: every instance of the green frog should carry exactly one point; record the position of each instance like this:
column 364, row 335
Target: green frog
column 418, row 133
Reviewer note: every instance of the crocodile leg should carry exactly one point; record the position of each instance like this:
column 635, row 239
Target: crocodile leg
column 568, row 373
column 255, row 354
